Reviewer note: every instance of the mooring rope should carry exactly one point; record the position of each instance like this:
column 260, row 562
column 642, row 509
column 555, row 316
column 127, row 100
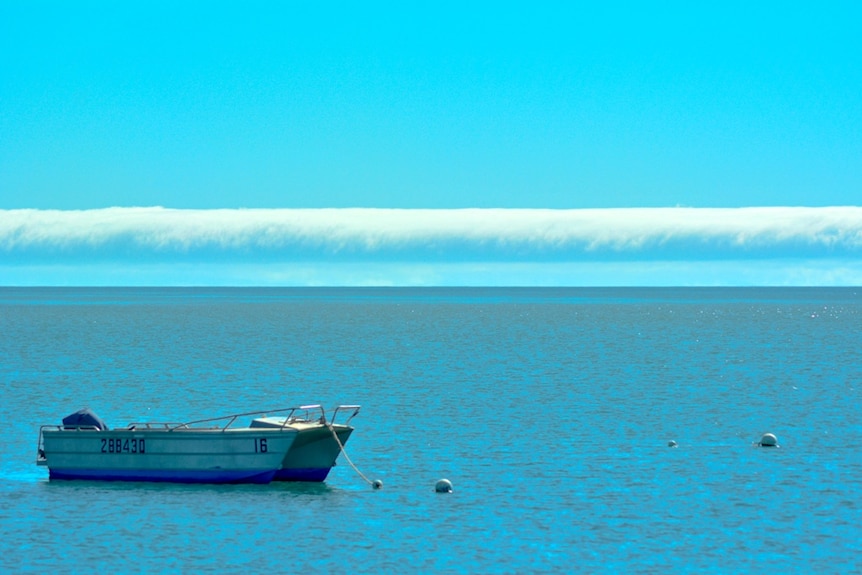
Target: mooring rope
column 356, row 469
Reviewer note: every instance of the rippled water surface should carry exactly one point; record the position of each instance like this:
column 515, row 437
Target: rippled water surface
column 550, row 410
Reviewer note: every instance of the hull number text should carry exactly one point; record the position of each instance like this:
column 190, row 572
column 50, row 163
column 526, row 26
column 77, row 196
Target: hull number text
column 123, row 446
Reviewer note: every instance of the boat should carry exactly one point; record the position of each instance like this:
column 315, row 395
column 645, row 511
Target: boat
column 213, row 450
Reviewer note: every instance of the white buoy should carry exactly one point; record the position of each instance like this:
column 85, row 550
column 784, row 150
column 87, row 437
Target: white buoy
column 443, row 486
column 376, row 484
column 671, row 443
column 768, row 440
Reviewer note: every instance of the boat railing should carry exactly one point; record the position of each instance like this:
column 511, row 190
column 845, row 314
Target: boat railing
column 300, row 414
column 71, row 427
column 156, row 425
column 41, row 458
column 303, row 414
column 292, row 415
column 355, row 409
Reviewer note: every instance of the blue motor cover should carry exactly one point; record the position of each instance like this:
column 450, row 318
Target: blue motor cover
column 84, row 418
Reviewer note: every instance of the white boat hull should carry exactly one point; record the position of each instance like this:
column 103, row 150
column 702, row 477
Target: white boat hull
column 238, row 455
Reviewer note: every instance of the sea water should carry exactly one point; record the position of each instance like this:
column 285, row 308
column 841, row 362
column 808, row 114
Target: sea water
column 550, row 410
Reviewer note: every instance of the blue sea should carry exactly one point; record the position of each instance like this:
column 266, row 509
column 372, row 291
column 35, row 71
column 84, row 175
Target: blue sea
column 550, row 411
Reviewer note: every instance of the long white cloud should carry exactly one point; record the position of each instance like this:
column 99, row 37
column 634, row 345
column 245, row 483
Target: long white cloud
column 160, row 234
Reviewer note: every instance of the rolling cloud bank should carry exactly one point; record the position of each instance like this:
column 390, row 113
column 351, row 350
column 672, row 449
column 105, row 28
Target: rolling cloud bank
column 483, row 242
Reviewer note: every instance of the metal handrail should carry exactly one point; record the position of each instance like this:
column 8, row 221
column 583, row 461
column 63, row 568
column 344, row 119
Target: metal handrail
column 63, row 427
column 172, row 426
column 355, row 409
column 151, row 425
column 232, row 418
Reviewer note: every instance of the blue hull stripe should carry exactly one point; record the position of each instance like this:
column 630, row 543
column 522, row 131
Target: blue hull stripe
column 172, row 475
column 316, row 474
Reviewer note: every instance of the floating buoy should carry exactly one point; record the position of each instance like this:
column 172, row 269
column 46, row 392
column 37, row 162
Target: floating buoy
column 671, row 443
column 768, row 440
column 376, row 484
column 443, row 486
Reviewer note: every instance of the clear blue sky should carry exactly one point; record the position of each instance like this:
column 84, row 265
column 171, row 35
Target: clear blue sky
column 203, row 105
column 436, row 105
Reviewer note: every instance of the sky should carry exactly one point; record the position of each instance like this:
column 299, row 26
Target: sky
column 392, row 143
